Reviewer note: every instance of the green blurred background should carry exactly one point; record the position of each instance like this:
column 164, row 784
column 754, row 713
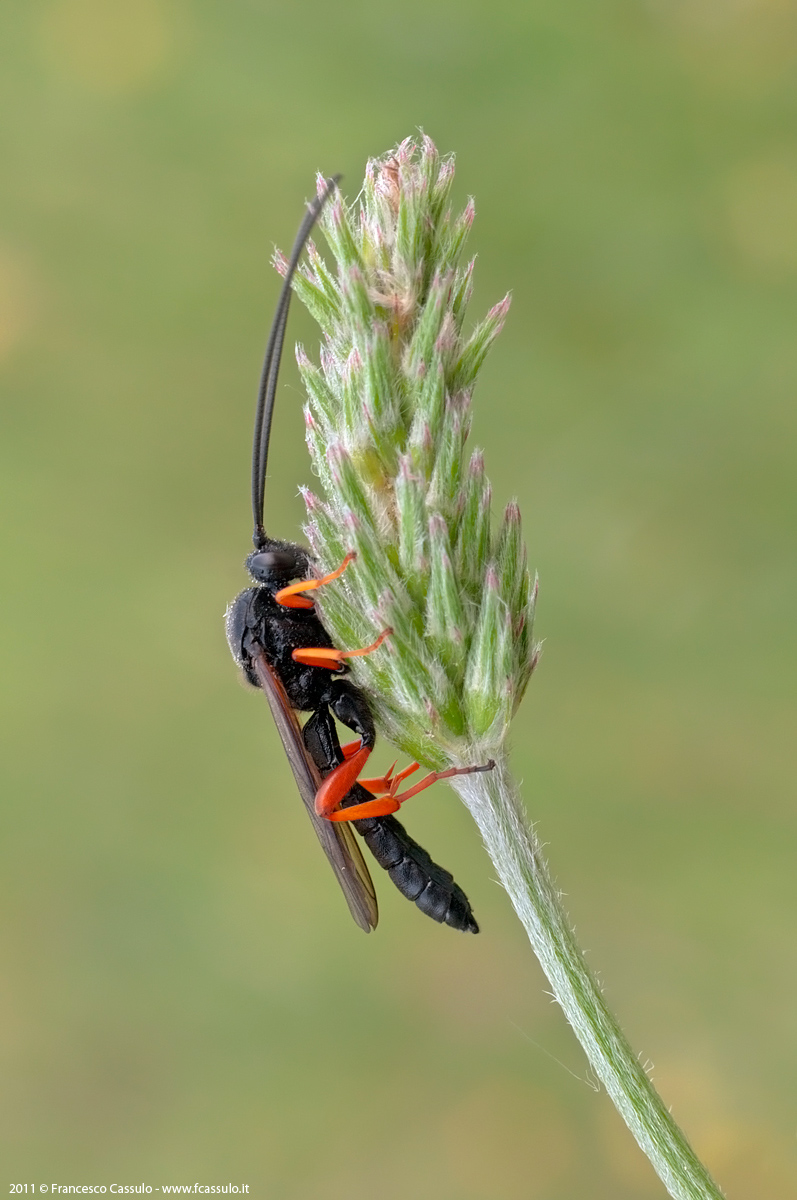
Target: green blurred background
column 184, row 996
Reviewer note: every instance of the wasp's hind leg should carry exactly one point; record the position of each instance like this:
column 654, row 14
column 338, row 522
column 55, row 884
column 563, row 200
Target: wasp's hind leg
column 393, row 800
column 345, row 702
column 351, row 709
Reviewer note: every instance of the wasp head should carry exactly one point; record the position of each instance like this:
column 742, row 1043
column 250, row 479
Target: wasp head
column 276, row 563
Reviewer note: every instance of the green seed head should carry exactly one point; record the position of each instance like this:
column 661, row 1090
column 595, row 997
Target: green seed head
column 387, row 421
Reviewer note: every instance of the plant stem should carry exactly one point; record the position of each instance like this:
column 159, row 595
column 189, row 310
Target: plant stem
column 494, row 803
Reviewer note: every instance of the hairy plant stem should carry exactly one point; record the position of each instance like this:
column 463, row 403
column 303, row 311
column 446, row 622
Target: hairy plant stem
column 494, row 803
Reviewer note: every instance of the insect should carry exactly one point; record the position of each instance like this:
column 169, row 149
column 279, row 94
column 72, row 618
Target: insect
column 278, row 640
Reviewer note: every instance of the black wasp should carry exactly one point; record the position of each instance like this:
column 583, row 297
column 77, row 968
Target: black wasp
column 277, row 638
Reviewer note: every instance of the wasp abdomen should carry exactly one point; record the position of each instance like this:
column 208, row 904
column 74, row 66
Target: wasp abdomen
column 413, row 871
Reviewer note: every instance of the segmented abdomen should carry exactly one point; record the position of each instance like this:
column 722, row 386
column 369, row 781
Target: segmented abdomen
column 413, row 871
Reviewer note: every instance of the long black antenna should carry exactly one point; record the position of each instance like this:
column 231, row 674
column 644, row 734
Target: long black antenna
column 271, row 365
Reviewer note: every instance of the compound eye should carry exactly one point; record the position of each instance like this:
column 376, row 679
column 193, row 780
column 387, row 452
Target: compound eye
column 268, row 564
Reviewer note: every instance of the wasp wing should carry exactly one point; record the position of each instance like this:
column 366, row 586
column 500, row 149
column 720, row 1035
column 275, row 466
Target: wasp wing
column 336, row 838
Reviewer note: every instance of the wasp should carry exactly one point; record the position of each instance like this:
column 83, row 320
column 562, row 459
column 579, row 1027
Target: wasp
column 278, row 640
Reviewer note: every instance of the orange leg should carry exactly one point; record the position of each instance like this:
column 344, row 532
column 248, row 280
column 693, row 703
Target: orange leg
column 328, row 656
column 340, row 781
column 386, row 783
column 377, row 786
column 290, row 597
